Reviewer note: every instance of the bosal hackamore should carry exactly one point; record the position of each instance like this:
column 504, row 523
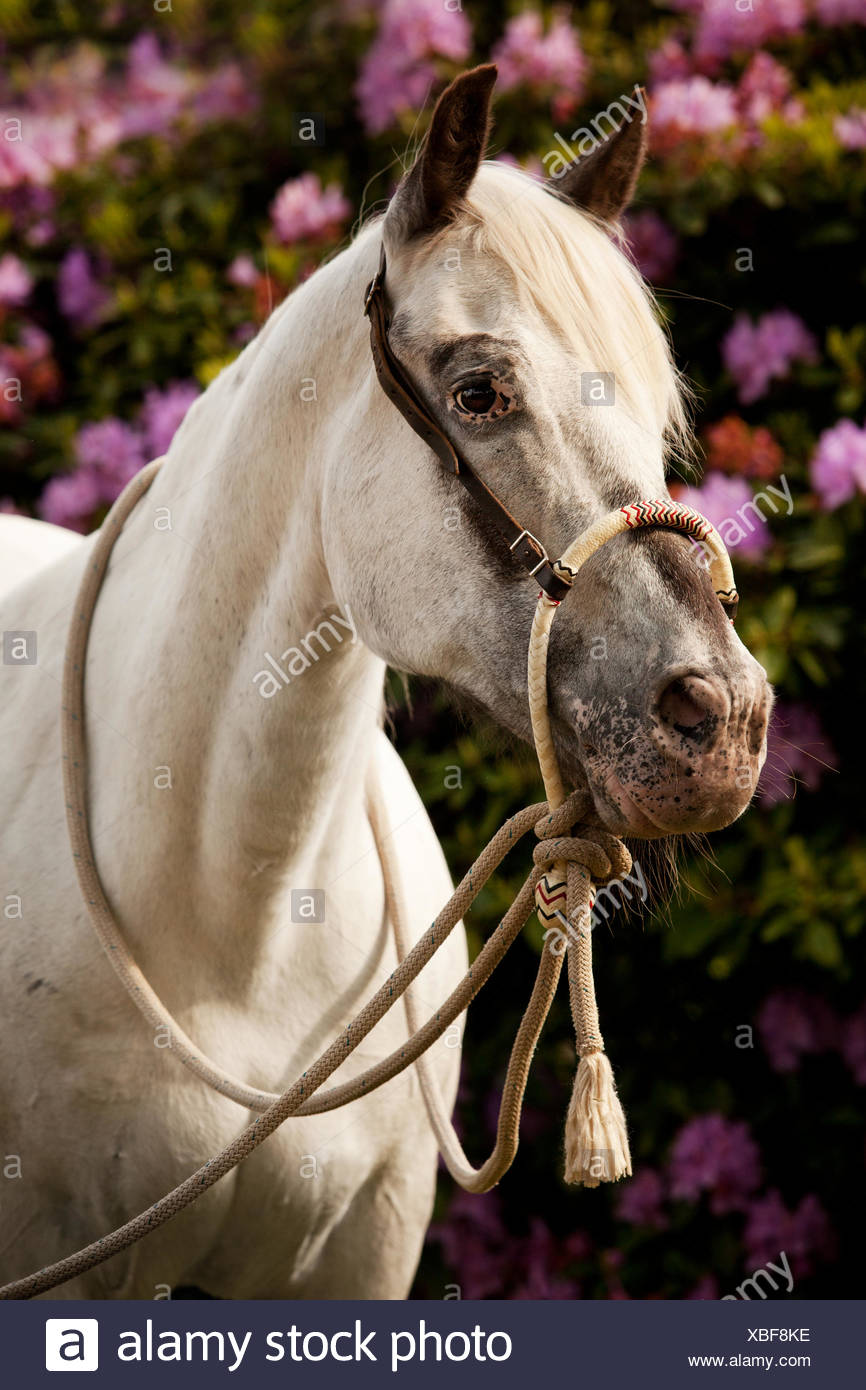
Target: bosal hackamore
column 566, row 868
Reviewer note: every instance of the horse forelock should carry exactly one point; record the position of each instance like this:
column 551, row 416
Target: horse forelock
column 571, row 269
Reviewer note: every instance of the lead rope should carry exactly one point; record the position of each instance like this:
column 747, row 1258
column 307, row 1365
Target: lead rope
column 564, row 869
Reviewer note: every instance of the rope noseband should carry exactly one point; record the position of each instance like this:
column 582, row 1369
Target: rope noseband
column 565, row 870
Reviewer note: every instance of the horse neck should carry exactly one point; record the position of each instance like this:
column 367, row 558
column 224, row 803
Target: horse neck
column 226, row 582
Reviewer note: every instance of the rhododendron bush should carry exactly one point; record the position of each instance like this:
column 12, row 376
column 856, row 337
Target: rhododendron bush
column 168, row 173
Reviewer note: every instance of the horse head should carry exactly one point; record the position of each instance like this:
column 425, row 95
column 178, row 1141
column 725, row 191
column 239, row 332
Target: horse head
column 536, row 349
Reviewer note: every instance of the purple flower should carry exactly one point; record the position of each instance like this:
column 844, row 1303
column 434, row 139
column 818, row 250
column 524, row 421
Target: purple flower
column 652, row 245
column 853, row 1045
column 797, row 753
column 526, row 54
column 728, row 503
column 692, row 106
column 15, row 281
column 396, row 73
column 71, row 499
column 537, row 1261
column 756, row 353
column 304, row 211
column 838, row 466
column 793, row 1024
column 805, row 1235
column 850, row 129
column 80, row 295
column 833, row 12
column 475, row 1244
column 715, row 1155
column 114, row 451
column 163, row 412
column 640, row 1200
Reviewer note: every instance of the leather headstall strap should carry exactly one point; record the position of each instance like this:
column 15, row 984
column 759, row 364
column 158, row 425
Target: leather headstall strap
column 402, row 393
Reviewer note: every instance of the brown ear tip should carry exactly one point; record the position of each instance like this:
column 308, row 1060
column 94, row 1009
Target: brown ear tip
column 484, row 75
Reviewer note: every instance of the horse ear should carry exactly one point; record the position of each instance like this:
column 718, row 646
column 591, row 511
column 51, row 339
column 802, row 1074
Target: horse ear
column 603, row 182
column 431, row 192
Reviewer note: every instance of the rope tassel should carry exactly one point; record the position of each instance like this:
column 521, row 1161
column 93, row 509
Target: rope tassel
column 596, row 1141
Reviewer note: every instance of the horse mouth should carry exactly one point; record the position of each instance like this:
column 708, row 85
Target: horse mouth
column 620, row 812
column 623, row 810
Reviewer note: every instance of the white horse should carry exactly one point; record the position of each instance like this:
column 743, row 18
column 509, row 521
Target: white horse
column 227, row 772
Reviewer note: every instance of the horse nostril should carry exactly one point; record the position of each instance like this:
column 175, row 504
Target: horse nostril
column 688, row 702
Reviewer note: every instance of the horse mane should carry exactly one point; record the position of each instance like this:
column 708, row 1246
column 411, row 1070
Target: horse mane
column 572, row 270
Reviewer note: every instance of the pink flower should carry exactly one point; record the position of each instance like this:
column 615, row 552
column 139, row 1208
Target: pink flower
column 396, row 73
column 853, row 1045
column 764, row 88
column 805, row 1235
column 850, row 129
column 243, row 272
column 389, row 85
column 838, row 465
column 651, row 244
column 724, row 28
column 640, row 1201
column 156, row 91
column 669, row 61
column 526, row 54
column 757, row 353
column 797, row 753
column 304, row 211
column 80, row 295
column 715, row 1155
column 226, row 95
column 792, row 1025
column 15, row 281
column 163, row 412
column 692, row 106
column 728, row 503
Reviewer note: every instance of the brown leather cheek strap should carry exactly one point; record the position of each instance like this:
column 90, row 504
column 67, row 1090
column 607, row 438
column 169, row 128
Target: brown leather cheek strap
column 401, row 392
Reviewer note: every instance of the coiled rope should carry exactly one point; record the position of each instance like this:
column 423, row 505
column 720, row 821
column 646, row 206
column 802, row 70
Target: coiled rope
column 564, row 870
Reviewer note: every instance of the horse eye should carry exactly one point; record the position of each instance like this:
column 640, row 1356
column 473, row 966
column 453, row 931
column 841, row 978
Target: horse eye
column 477, row 399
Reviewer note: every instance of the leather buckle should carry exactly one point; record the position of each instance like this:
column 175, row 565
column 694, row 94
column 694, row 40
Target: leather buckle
column 529, row 545
column 371, row 291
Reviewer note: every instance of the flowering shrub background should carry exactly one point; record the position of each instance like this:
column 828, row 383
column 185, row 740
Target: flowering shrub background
column 156, row 199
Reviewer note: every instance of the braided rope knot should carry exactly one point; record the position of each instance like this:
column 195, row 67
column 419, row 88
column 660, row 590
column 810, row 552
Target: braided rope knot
column 603, row 856
column 599, row 854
